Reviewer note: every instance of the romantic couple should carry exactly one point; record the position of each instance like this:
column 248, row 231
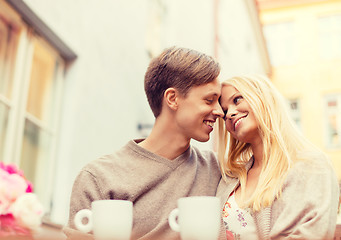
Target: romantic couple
column 265, row 170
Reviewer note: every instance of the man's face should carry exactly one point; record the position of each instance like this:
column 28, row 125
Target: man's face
column 198, row 111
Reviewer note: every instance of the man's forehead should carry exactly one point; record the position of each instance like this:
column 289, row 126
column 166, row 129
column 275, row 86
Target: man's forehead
column 211, row 88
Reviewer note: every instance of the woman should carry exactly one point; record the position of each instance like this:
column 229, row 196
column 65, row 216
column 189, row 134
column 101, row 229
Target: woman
column 276, row 185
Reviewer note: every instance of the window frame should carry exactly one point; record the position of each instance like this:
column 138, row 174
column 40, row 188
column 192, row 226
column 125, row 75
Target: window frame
column 272, row 41
column 295, row 113
column 31, row 28
column 337, row 98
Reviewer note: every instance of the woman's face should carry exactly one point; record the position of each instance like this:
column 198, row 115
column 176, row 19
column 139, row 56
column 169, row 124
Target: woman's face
column 239, row 119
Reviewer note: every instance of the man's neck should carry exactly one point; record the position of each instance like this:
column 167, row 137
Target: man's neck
column 165, row 141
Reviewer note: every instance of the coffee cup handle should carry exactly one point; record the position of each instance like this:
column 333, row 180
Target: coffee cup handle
column 78, row 220
column 172, row 220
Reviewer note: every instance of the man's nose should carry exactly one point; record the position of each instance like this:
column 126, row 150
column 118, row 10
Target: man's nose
column 218, row 111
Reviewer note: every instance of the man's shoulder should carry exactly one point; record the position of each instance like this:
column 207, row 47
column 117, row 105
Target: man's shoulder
column 107, row 161
column 204, row 154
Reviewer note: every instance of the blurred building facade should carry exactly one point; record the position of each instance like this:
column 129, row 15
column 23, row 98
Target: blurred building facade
column 71, row 76
column 304, row 44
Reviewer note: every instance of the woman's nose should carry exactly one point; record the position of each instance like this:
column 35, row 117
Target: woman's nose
column 231, row 113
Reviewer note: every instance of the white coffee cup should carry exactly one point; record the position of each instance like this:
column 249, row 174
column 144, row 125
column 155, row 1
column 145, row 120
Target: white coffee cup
column 108, row 219
column 196, row 218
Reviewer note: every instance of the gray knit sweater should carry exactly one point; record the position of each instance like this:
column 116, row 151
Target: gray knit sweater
column 307, row 208
column 152, row 183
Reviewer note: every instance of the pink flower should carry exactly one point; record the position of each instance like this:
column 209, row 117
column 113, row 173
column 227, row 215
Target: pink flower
column 9, row 226
column 11, row 168
column 29, row 188
column 28, row 211
column 20, row 210
column 229, row 235
column 11, row 187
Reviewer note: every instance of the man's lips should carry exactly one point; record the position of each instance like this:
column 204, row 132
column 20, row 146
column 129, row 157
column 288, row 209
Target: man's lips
column 209, row 123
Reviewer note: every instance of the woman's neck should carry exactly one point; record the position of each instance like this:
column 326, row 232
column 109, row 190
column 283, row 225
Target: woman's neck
column 257, row 150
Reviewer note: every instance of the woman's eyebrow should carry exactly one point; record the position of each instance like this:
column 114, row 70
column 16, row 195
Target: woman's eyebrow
column 231, row 98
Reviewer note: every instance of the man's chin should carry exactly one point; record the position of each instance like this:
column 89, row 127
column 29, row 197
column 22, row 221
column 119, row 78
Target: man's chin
column 202, row 139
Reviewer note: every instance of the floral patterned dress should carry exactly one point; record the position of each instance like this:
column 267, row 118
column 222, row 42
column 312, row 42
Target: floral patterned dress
column 239, row 222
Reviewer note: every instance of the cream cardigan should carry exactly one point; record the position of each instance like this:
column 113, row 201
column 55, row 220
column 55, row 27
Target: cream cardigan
column 307, row 207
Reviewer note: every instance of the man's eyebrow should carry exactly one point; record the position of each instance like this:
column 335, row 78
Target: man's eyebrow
column 212, row 94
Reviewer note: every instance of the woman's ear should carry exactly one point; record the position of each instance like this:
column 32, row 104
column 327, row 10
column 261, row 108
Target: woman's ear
column 171, row 98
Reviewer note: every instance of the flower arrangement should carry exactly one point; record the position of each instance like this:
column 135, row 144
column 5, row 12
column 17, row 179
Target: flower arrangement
column 20, row 210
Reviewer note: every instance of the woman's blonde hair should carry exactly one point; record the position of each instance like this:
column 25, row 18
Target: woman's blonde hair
column 283, row 144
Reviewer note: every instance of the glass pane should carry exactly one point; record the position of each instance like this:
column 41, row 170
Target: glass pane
column 333, row 136
column 4, row 111
column 337, row 43
column 42, row 90
column 293, row 105
column 337, row 21
column 8, row 46
column 333, row 121
column 281, row 43
column 332, row 103
column 324, row 23
column 36, row 157
column 330, row 36
column 295, row 111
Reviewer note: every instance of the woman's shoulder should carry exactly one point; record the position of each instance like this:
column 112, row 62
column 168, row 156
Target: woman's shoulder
column 312, row 171
column 311, row 164
column 308, row 202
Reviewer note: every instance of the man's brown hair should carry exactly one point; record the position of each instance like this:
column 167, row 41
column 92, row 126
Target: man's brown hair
column 180, row 68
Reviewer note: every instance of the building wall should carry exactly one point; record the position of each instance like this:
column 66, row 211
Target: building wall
column 104, row 101
column 241, row 47
column 307, row 77
column 103, row 93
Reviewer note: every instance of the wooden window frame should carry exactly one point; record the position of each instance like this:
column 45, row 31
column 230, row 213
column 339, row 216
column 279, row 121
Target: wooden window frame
column 30, row 27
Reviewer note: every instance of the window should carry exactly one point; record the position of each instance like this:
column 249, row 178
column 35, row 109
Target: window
column 282, row 47
column 40, row 116
column 330, row 36
column 333, row 121
column 156, row 19
column 9, row 37
column 295, row 111
column 31, row 79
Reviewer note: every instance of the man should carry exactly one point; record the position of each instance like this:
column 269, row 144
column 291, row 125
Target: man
column 183, row 91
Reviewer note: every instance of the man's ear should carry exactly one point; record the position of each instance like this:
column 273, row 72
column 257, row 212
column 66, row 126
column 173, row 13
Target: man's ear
column 171, row 98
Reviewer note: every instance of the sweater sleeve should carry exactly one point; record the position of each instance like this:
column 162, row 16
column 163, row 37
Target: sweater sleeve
column 307, row 208
column 85, row 190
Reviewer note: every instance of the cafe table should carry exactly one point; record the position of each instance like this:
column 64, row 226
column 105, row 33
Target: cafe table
column 48, row 231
